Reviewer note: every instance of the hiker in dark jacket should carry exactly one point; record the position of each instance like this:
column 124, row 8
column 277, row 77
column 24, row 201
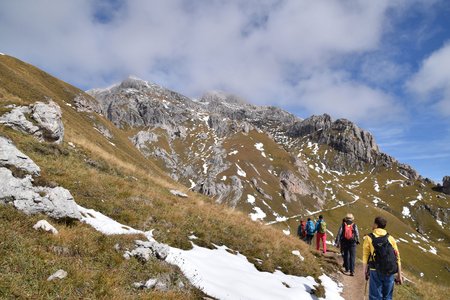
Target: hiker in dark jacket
column 347, row 239
column 310, row 229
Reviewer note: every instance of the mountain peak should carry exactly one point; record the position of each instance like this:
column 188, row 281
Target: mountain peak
column 133, row 82
column 221, row 96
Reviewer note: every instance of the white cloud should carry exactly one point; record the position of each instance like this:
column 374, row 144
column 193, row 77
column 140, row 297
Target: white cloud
column 340, row 96
column 267, row 51
column 432, row 82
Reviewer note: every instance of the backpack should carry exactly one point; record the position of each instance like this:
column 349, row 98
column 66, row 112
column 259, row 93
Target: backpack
column 348, row 231
column 384, row 258
column 322, row 227
column 301, row 230
column 309, row 228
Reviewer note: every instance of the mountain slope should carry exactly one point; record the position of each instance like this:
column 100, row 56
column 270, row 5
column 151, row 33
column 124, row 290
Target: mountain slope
column 103, row 170
column 278, row 168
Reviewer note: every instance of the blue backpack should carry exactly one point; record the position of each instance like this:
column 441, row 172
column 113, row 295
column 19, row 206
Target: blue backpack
column 310, row 228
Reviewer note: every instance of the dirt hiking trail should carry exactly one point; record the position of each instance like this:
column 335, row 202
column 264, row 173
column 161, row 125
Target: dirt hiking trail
column 353, row 285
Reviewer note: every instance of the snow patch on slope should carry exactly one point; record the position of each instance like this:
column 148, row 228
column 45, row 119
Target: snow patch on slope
column 260, row 147
column 240, row 172
column 406, row 212
column 258, row 214
column 103, row 223
column 238, row 279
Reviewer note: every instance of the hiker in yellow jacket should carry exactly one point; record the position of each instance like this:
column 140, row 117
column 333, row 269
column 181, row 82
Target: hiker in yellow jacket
column 381, row 260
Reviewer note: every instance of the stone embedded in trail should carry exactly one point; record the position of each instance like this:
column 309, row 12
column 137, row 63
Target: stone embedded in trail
column 60, row 274
column 45, row 226
column 11, row 156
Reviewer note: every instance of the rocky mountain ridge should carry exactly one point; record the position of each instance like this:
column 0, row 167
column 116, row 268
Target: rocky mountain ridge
column 138, row 104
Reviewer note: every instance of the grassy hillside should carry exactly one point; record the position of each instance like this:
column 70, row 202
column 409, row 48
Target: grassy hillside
column 113, row 177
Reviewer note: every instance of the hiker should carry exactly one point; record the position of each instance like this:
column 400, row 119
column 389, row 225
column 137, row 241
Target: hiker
column 301, row 230
column 321, row 229
column 348, row 238
column 310, row 229
column 381, row 260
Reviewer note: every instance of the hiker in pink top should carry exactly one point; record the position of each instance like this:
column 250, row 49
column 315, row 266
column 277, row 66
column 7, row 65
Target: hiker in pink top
column 321, row 229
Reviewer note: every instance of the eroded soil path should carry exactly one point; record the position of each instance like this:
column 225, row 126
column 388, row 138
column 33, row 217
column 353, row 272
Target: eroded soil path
column 354, row 286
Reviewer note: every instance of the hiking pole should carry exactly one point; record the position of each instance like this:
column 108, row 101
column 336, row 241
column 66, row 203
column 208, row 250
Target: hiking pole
column 365, row 290
column 365, row 287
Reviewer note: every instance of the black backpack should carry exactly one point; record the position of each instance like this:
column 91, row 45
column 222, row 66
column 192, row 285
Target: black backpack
column 384, row 259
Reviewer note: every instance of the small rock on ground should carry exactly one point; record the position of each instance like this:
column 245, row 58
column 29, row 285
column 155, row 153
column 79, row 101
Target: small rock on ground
column 60, row 274
column 45, row 226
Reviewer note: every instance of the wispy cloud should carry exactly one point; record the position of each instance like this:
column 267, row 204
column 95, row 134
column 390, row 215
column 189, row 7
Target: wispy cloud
column 313, row 57
column 432, row 82
column 244, row 47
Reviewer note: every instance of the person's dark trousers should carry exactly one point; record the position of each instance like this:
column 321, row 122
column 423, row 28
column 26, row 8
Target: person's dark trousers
column 309, row 239
column 381, row 287
column 349, row 256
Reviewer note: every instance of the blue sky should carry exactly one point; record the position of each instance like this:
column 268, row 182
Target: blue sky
column 383, row 64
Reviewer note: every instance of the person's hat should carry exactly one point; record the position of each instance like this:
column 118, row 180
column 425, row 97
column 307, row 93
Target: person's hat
column 320, row 217
column 350, row 217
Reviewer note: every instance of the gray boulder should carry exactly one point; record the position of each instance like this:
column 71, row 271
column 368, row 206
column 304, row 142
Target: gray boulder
column 56, row 202
column 147, row 249
column 48, row 116
column 149, row 284
column 47, row 123
column 446, row 185
column 11, row 156
column 17, row 120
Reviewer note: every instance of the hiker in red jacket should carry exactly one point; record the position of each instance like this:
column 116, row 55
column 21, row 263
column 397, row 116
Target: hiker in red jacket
column 348, row 238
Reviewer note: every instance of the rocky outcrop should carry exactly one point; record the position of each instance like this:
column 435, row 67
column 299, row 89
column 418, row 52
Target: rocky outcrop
column 56, row 202
column 10, row 156
column 48, row 117
column 291, row 186
column 142, row 138
column 356, row 148
column 147, row 249
column 446, row 185
column 85, row 104
column 439, row 213
column 42, row 120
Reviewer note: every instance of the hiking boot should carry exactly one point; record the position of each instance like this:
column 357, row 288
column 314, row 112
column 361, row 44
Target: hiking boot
column 352, row 274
